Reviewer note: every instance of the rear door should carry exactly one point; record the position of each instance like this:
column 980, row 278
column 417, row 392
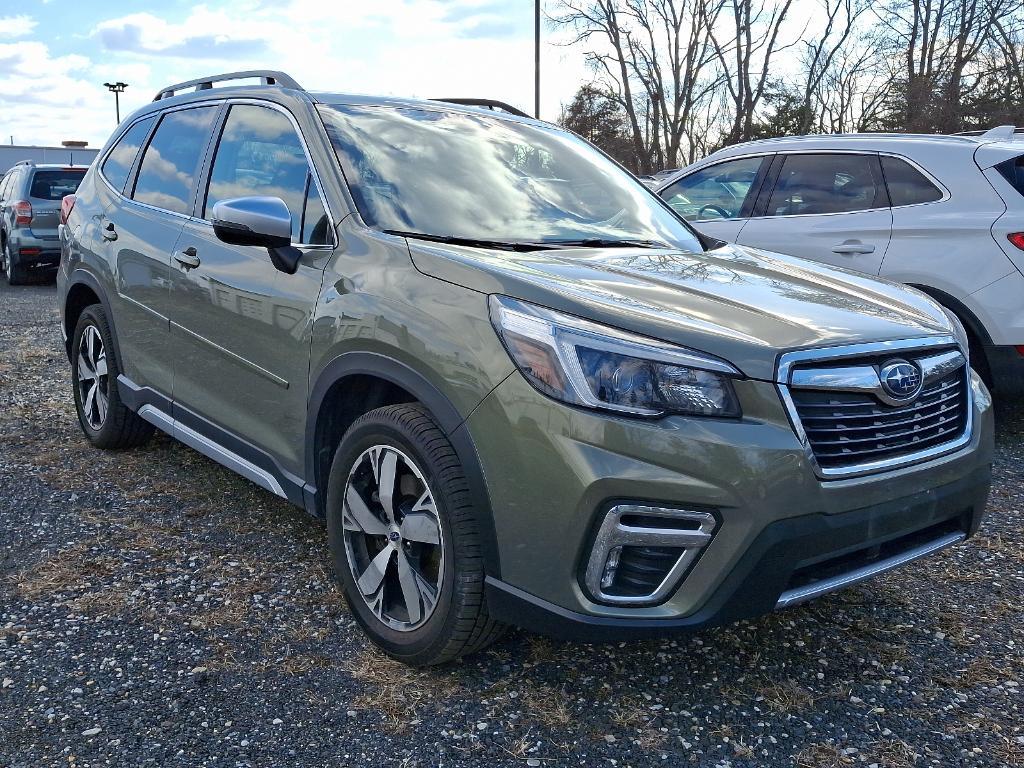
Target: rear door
column 717, row 198
column 241, row 328
column 825, row 206
column 142, row 231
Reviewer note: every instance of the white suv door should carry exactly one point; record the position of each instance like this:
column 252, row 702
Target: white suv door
column 825, row 206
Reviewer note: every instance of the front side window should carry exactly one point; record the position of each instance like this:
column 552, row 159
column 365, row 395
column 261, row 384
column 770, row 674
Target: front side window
column 119, row 161
column 477, row 177
column 260, row 154
column 826, row 183
column 169, row 167
column 906, row 184
column 716, row 192
column 54, row 185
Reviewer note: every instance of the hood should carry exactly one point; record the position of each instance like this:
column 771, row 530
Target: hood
column 737, row 303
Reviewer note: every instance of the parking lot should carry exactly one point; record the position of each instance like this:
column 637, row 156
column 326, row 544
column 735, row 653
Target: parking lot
column 156, row 609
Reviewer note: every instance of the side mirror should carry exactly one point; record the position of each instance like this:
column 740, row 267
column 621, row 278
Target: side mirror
column 261, row 221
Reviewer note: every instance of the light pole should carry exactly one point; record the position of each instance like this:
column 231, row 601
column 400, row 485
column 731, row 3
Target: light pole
column 117, row 89
column 536, row 59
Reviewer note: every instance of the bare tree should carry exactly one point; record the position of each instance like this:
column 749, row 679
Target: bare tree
column 745, row 54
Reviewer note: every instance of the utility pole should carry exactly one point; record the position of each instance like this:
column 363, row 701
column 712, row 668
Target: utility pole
column 117, row 89
column 536, row 59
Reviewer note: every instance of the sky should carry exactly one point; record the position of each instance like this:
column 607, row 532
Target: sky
column 55, row 55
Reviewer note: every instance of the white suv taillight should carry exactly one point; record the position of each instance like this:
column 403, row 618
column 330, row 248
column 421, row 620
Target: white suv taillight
column 1017, row 238
column 22, row 213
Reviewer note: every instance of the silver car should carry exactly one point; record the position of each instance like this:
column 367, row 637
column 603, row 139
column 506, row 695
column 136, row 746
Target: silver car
column 944, row 214
column 30, row 204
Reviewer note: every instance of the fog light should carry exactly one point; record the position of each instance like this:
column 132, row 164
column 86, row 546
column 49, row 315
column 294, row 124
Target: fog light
column 608, row 577
column 641, row 553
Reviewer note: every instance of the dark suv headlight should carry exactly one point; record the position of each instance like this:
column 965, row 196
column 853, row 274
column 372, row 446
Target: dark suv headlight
column 588, row 364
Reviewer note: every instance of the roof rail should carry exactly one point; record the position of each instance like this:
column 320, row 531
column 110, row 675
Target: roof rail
column 999, row 133
column 491, row 104
column 268, row 76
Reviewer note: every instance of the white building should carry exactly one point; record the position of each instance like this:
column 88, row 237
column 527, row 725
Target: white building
column 11, row 154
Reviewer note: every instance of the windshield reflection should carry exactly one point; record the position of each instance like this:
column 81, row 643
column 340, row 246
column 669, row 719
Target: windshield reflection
column 488, row 178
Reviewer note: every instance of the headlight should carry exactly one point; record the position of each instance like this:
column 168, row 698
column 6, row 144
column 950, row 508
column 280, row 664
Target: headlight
column 584, row 363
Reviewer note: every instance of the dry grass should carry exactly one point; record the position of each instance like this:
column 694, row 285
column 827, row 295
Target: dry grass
column 785, row 697
column 822, row 756
column 546, row 705
column 631, row 712
column 893, row 753
column 396, row 691
column 66, row 570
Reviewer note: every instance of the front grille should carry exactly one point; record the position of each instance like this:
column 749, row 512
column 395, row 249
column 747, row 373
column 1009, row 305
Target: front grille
column 848, row 428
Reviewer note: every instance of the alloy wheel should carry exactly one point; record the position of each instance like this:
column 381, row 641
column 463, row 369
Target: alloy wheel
column 93, row 384
column 393, row 539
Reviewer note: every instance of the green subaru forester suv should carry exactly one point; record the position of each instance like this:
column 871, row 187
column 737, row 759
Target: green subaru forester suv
column 518, row 387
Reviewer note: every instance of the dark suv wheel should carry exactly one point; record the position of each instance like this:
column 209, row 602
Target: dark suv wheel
column 403, row 538
column 14, row 272
column 105, row 420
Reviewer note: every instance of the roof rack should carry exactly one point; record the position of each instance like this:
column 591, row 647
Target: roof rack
column 268, row 76
column 491, row 104
column 26, row 162
column 999, row 133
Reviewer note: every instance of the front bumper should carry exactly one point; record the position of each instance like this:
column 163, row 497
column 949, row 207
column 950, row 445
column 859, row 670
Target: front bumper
column 551, row 482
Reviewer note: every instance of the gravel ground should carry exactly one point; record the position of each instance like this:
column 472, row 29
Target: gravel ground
column 155, row 609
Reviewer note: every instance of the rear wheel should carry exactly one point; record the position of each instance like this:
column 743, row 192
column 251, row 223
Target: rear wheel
column 105, row 420
column 404, row 539
column 16, row 273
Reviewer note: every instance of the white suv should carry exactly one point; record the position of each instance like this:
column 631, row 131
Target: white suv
column 944, row 214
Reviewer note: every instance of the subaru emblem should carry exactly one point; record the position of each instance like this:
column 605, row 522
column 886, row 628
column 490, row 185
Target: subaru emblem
column 901, row 380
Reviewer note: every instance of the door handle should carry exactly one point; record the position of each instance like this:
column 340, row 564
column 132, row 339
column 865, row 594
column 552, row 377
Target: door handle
column 189, row 258
column 109, row 232
column 852, row 247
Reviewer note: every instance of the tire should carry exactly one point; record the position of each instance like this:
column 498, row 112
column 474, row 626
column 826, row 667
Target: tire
column 449, row 616
column 105, row 420
column 16, row 273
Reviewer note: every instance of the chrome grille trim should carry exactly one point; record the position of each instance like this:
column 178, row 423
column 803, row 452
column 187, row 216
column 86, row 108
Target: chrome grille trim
column 790, row 378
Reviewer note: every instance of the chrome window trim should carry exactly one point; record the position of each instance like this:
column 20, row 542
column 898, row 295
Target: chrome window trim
column 783, row 381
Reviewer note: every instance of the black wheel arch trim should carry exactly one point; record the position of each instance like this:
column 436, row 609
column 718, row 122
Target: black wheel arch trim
column 85, row 277
column 961, row 310
column 441, row 408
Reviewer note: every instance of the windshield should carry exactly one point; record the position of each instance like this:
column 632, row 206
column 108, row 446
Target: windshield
column 473, row 177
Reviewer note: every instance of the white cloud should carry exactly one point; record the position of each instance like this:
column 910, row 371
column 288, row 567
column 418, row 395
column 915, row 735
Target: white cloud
column 16, row 26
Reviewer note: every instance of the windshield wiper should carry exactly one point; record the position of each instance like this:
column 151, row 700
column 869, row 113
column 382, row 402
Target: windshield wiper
column 471, row 242
column 605, row 242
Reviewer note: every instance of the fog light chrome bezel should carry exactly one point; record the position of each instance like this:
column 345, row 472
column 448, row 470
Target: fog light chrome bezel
column 614, row 533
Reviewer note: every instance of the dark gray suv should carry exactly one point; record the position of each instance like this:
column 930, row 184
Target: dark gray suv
column 518, row 387
column 30, row 206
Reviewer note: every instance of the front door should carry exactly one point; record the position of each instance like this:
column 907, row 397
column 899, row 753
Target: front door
column 828, row 207
column 240, row 328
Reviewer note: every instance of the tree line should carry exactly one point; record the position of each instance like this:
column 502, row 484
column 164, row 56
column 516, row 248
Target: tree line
column 677, row 79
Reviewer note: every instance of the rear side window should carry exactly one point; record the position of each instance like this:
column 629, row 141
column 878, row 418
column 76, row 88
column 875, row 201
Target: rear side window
column 717, row 192
column 119, row 161
column 906, row 184
column 1013, row 171
column 169, row 166
column 53, row 185
column 6, row 184
column 826, row 183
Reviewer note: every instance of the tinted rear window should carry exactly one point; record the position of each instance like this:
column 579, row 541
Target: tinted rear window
column 53, row 185
column 119, row 162
column 907, row 185
column 1013, row 172
column 168, row 171
column 825, row 183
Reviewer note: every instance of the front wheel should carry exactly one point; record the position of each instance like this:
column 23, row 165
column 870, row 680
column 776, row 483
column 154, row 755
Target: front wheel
column 404, row 539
